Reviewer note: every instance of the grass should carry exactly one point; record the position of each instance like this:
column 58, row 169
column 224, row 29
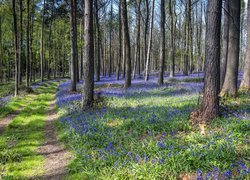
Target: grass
column 20, row 140
column 147, row 135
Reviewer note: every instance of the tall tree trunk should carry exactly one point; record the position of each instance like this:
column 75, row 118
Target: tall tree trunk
column 230, row 83
column 138, row 42
column 28, row 45
column 88, row 64
column 245, row 83
column 224, row 56
column 127, row 43
column 162, row 48
column 172, row 48
column 110, row 38
column 210, row 102
column 1, row 56
column 187, row 36
column 42, row 43
column 146, row 31
column 73, row 38
column 20, row 41
column 149, row 42
column 98, row 56
column 16, row 46
column 120, row 45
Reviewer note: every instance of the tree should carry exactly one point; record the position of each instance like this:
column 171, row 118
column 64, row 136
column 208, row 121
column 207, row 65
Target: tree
column 210, row 103
column 187, row 36
column 20, row 41
column 73, row 38
column 42, row 43
column 98, row 44
column 126, row 43
column 16, row 46
column 224, row 56
column 88, row 62
column 245, row 83
column 120, row 44
column 230, row 84
column 138, row 40
column 149, row 42
column 28, row 45
column 1, row 56
column 162, row 49
column 172, row 48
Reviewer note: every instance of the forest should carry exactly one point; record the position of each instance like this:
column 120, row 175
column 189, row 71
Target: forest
column 125, row 89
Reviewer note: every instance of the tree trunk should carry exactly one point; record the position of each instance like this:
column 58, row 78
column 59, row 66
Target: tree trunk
column 28, row 45
column 230, row 84
column 187, row 36
column 210, row 102
column 245, row 83
column 98, row 55
column 162, row 48
column 149, row 42
column 88, row 63
column 224, row 56
column 120, row 45
column 127, row 43
column 172, row 48
column 110, row 38
column 16, row 46
column 138, row 42
column 73, row 38
column 1, row 56
column 20, row 41
column 42, row 43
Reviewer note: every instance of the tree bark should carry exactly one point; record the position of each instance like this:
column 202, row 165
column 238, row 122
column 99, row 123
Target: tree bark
column 138, row 42
column 16, row 46
column 98, row 55
column 162, row 48
column 20, row 41
column 28, row 45
column 42, row 43
column 224, row 56
column 1, row 56
column 230, row 84
column 149, row 42
column 127, row 44
column 187, row 36
column 172, row 45
column 210, row 102
column 245, row 83
column 73, row 38
column 120, row 44
column 88, row 63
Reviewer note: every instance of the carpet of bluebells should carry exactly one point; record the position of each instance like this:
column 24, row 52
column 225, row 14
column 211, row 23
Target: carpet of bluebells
column 144, row 132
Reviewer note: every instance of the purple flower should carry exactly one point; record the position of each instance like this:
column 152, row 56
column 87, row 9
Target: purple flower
column 161, row 145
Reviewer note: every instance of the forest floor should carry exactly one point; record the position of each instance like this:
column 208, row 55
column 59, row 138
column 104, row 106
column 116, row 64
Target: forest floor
column 139, row 133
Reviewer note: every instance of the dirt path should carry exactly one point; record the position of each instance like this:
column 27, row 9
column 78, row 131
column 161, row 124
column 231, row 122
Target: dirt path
column 7, row 120
column 55, row 155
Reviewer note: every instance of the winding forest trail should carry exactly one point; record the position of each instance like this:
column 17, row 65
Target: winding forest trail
column 55, row 155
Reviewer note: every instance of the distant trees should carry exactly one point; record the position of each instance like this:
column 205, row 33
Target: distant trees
column 210, row 102
column 130, row 40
